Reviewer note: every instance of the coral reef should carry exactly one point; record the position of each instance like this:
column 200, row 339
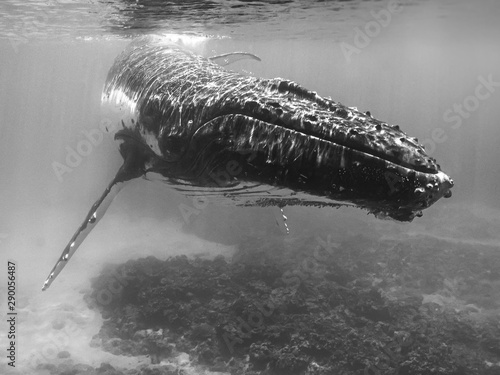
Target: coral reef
column 310, row 306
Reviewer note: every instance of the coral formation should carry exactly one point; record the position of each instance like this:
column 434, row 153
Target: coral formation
column 422, row 306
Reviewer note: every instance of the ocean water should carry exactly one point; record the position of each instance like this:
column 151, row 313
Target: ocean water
column 433, row 67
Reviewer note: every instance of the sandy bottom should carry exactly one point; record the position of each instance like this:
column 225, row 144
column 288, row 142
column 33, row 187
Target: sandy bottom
column 57, row 322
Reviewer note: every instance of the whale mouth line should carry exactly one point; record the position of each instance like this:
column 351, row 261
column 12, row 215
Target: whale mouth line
column 279, row 123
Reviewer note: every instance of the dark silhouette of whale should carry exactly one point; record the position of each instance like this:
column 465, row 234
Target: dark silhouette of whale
column 208, row 131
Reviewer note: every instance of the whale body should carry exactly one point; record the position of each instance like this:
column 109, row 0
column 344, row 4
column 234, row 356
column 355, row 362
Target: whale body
column 206, row 131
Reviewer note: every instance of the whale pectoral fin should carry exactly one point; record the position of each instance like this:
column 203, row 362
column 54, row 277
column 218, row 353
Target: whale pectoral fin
column 133, row 167
column 229, row 58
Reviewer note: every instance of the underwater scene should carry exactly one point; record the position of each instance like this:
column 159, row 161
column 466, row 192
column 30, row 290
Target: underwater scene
column 240, row 187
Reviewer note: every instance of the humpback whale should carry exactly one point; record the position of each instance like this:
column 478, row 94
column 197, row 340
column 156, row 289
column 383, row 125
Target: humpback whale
column 239, row 139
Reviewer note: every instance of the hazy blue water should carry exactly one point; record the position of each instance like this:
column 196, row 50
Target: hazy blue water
column 54, row 57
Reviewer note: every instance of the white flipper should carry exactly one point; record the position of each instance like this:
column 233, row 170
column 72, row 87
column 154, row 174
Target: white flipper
column 95, row 214
column 133, row 167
